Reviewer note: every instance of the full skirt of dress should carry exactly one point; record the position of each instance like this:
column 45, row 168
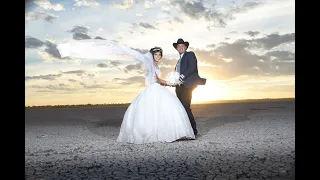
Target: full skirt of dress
column 155, row 115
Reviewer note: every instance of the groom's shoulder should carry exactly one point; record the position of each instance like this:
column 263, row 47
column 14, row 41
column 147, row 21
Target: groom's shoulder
column 190, row 52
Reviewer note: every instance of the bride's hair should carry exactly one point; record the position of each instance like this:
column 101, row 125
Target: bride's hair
column 156, row 49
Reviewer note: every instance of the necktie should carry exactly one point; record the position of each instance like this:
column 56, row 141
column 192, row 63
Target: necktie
column 178, row 65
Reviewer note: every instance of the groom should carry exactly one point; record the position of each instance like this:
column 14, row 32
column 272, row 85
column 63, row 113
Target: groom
column 188, row 68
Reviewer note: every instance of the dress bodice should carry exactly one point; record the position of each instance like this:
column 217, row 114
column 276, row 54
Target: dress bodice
column 151, row 74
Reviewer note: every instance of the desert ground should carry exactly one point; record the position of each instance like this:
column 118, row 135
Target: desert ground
column 249, row 140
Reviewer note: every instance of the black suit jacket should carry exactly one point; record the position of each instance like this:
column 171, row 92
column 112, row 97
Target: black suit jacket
column 189, row 70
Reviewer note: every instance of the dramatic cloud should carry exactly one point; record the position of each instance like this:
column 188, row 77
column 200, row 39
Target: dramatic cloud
column 146, row 25
column 80, row 73
column 77, row 72
column 211, row 45
column 197, row 10
column 32, row 43
column 94, row 86
column 65, row 88
column 243, row 52
column 281, row 55
column 241, row 8
column 44, row 77
column 51, row 77
column 125, row 4
column 72, row 80
column 143, row 51
column 148, row 4
column 48, row 6
column 109, row 64
column 138, row 67
column 58, row 87
column 79, row 36
column 88, row 3
column 50, row 51
column 98, row 37
column 177, row 19
column 252, row 33
column 80, row 32
column 272, row 40
column 34, row 16
column 234, row 59
column 132, row 80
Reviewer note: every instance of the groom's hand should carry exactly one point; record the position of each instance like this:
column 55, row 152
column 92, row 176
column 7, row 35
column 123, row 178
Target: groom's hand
column 181, row 78
column 164, row 84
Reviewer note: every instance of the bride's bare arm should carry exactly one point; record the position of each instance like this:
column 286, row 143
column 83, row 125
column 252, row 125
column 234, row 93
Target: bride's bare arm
column 161, row 81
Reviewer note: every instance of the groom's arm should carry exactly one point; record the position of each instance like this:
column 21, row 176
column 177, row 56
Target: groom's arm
column 192, row 65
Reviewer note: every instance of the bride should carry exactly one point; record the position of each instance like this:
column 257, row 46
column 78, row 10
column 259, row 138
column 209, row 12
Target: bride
column 156, row 114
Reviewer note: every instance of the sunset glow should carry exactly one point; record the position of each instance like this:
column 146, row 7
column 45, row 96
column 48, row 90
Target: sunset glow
column 246, row 51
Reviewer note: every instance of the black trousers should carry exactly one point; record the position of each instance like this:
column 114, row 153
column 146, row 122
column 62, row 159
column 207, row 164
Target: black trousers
column 185, row 95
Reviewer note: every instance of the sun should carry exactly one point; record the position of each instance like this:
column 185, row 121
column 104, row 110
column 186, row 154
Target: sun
column 208, row 92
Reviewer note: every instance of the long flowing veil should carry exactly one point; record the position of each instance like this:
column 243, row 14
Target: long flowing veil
column 99, row 49
column 103, row 49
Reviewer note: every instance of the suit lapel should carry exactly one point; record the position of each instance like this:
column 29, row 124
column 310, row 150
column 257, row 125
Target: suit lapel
column 182, row 59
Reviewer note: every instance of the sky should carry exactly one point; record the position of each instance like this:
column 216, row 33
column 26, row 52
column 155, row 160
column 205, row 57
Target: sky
column 245, row 49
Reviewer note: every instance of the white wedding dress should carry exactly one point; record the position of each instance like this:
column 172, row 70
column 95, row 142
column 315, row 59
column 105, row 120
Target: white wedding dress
column 156, row 114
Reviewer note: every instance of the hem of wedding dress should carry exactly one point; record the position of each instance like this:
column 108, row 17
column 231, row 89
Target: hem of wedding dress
column 156, row 141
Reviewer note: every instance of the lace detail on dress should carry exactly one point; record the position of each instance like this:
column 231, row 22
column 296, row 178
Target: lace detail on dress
column 151, row 74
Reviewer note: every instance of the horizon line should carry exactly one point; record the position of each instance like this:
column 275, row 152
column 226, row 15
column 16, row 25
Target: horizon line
column 113, row 104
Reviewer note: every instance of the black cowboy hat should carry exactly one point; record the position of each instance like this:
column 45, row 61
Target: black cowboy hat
column 181, row 41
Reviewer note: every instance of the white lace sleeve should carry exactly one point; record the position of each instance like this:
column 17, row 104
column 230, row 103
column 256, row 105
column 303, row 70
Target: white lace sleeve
column 101, row 49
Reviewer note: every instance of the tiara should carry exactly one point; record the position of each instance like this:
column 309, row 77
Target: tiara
column 156, row 49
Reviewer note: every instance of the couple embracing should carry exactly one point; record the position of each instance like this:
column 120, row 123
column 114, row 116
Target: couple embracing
column 156, row 114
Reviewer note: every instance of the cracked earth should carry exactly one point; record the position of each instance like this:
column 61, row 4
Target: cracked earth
column 238, row 141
